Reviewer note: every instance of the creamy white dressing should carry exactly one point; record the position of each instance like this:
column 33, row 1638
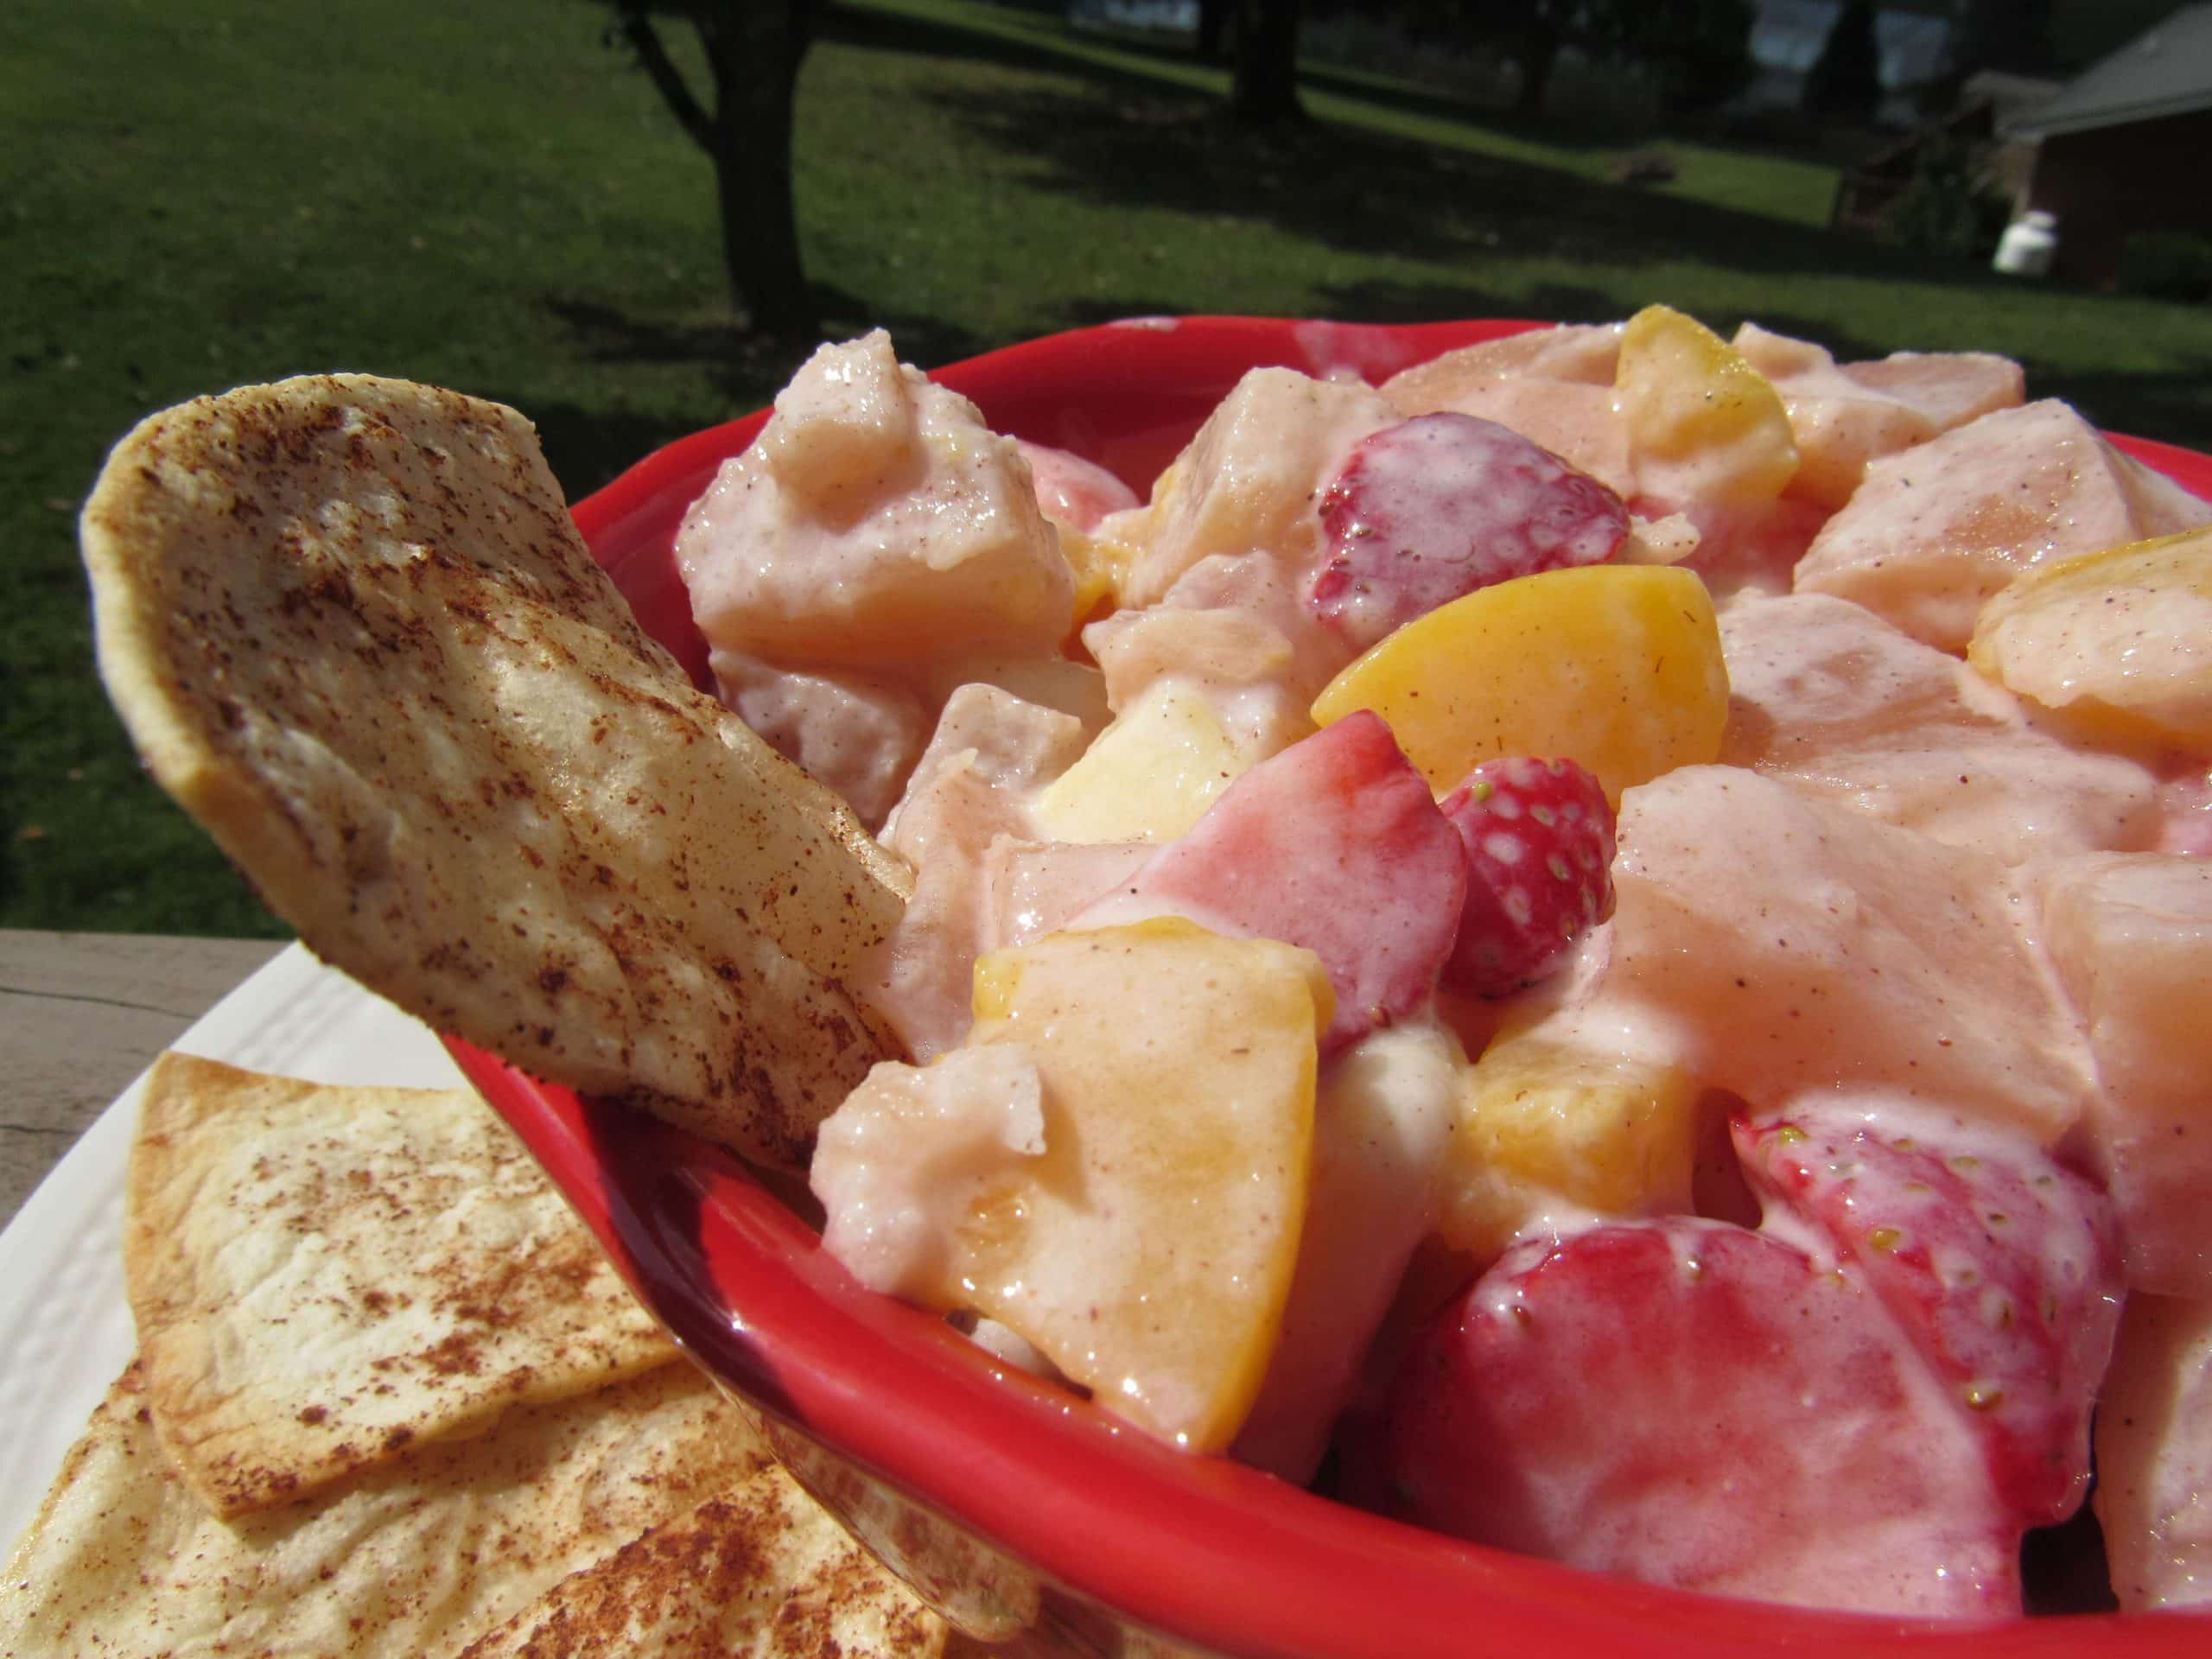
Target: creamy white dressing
column 1888, row 899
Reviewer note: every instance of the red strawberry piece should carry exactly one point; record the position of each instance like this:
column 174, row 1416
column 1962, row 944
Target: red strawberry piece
column 1437, row 506
column 1691, row 1403
column 2002, row 1268
column 1335, row 844
column 1539, row 836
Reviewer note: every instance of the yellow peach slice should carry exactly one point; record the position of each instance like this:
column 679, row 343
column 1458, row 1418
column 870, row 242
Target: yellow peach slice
column 1703, row 425
column 2119, row 642
column 1541, row 1118
column 1616, row 666
column 1148, row 1251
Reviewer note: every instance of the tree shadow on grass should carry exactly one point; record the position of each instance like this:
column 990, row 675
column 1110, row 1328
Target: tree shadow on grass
column 882, row 31
column 1115, row 134
column 1356, row 191
column 1389, row 301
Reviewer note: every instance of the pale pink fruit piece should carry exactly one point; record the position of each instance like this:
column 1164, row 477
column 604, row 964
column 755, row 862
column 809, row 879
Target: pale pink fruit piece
column 1335, row 844
column 1845, row 415
column 2154, row 1455
column 1072, row 491
column 1687, row 1403
column 1775, row 930
column 1936, row 532
column 2001, row 1267
column 1826, row 695
column 1949, row 388
column 2131, row 936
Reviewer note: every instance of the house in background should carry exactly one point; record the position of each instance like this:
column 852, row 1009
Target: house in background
column 1989, row 106
column 2124, row 148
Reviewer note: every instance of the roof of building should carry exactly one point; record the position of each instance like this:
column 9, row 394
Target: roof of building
column 2165, row 71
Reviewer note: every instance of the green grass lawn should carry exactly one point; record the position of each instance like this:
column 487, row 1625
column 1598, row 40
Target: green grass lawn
column 193, row 195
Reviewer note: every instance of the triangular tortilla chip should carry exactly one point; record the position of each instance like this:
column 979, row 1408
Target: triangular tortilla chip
column 323, row 1276
column 761, row 1570
column 352, row 631
column 412, row 1562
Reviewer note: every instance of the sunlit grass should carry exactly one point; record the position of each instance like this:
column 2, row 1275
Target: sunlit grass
column 195, row 194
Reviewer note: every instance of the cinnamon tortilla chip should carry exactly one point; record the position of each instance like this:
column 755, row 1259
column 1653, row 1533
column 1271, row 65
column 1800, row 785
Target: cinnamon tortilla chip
column 409, row 1562
column 355, row 634
column 760, row 1570
column 324, row 1276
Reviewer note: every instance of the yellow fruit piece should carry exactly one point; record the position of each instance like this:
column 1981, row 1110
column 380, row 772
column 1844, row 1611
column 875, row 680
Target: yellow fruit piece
column 1703, row 425
column 1542, row 1119
column 1148, row 1252
column 1101, row 567
column 2118, row 642
column 1616, row 666
column 1147, row 777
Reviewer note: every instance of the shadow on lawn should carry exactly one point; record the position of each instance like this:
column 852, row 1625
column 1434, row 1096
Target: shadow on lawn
column 1141, row 140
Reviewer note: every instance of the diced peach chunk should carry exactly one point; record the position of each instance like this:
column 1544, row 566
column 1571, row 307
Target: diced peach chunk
column 1616, row 666
column 1115, row 1166
column 1148, row 1251
column 1548, row 1115
column 2120, row 643
column 1703, row 425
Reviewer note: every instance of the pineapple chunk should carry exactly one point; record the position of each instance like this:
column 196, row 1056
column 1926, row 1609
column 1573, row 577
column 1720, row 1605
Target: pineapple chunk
column 1545, row 1118
column 1148, row 1251
column 1149, row 776
column 2119, row 642
column 1617, row 666
column 1100, row 564
column 1703, row 425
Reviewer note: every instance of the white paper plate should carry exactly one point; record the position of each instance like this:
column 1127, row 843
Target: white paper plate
column 65, row 1330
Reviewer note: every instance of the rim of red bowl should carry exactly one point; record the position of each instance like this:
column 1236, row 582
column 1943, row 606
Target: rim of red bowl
column 1202, row 1549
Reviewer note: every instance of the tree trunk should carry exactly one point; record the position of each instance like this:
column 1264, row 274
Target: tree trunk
column 754, row 49
column 1845, row 79
column 1213, row 27
column 1537, row 57
column 1264, row 91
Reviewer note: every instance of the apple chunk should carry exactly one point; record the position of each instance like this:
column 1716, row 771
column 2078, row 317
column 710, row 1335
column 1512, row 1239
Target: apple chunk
column 1116, row 1164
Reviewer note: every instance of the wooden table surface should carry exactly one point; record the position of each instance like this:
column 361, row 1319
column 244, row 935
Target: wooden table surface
column 83, row 1014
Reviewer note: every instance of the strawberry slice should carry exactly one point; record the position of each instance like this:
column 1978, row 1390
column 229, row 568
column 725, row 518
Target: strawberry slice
column 1335, row 844
column 1435, row 508
column 2001, row 1267
column 1539, row 836
column 1689, row 1403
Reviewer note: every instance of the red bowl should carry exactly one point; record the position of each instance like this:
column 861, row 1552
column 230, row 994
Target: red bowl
column 1028, row 1516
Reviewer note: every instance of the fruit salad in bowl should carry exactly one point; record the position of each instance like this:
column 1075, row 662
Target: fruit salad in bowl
column 1486, row 981
column 1569, row 936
